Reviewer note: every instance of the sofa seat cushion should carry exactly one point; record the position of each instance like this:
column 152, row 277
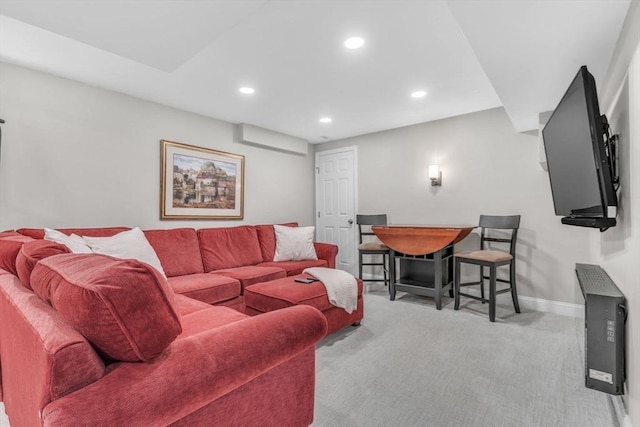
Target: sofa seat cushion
column 31, row 253
column 177, row 249
column 213, row 317
column 286, row 292
column 186, row 305
column 125, row 308
column 294, row 268
column 250, row 274
column 236, row 303
column 206, row 287
column 228, row 247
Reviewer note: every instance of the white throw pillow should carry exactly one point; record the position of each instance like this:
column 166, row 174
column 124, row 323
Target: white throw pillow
column 126, row 245
column 294, row 243
column 74, row 242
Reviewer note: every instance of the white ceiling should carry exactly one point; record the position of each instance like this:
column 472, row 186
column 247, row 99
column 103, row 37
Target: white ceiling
column 469, row 55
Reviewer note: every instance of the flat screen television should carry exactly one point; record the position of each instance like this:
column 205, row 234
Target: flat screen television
column 581, row 157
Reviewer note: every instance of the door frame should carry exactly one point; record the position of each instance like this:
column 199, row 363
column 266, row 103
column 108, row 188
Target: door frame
column 354, row 150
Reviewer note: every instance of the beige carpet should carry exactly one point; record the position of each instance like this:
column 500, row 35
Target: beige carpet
column 412, row 365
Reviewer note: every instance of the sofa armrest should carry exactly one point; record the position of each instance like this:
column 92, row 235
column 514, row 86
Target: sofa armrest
column 327, row 252
column 194, row 371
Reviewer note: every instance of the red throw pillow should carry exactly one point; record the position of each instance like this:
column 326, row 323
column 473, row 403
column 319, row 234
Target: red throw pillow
column 125, row 308
column 31, row 253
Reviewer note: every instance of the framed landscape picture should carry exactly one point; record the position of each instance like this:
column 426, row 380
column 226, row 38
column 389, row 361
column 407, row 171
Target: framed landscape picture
column 199, row 183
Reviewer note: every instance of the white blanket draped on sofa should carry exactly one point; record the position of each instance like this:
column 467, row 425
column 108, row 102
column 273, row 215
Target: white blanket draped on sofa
column 342, row 287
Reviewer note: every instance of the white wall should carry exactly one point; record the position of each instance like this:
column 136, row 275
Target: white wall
column 78, row 156
column 618, row 250
column 487, row 168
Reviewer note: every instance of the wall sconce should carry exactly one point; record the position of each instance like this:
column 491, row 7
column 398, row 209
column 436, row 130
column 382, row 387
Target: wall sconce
column 435, row 175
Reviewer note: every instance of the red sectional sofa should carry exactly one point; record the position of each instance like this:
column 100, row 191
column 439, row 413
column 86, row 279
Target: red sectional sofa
column 215, row 265
column 163, row 352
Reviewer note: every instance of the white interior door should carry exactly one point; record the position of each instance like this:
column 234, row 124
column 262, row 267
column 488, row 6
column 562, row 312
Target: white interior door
column 336, row 203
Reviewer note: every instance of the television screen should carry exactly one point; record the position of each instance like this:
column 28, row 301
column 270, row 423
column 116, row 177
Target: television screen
column 577, row 157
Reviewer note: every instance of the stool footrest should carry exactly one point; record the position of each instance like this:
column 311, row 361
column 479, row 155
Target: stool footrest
column 477, row 298
column 470, row 284
column 498, row 291
column 497, row 279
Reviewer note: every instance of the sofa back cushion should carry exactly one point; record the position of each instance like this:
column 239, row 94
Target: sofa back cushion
column 124, row 307
column 10, row 245
column 38, row 233
column 31, row 253
column 228, row 247
column 178, row 250
column 267, row 237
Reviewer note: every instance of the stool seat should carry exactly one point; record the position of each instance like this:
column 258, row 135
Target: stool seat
column 373, row 246
column 486, row 255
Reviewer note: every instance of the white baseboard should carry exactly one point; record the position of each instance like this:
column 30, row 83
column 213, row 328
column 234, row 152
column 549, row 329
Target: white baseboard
column 548, row 306
column 620, row 411
column 539, row 304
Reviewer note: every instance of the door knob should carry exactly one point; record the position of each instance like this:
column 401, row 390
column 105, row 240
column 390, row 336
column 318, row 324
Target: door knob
column 350, row 221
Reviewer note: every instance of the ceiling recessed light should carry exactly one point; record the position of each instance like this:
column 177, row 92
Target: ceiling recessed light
column 419, row 94
column 247, row 90
column 326, row 120
column 354, row 42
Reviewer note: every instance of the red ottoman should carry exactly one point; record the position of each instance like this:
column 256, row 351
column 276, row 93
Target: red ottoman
column 276, row 294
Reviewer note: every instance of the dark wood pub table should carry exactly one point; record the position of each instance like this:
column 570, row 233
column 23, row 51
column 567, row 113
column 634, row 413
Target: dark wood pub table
column 424, row 254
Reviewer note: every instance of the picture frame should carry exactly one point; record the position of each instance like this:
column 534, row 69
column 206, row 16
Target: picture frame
column 200, row 183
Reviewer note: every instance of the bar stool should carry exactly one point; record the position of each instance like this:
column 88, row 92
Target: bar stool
column 371, row 247
column 486, row 257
